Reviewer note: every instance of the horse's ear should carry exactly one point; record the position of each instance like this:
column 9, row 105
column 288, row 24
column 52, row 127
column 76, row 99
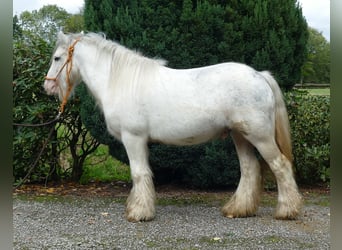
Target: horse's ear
column 61, row 36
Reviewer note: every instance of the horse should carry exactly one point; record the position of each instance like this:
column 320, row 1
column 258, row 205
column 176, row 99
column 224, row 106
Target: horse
column 145, row 101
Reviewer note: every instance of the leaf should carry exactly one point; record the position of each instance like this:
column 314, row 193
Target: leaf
column 50, row 190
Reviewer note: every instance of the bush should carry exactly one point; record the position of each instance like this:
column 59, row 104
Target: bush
column 192, row 33
column 309, row 118
column 214, row 164
column 217, row 167
column 32, row 105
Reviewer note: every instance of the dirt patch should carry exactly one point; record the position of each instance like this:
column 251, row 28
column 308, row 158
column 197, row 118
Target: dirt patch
column 166, row 194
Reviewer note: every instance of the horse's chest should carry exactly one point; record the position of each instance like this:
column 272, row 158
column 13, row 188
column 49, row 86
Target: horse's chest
column 113, row 126
column 125, row 120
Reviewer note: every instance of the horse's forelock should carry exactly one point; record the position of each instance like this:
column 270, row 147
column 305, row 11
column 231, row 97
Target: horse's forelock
column 65, row 40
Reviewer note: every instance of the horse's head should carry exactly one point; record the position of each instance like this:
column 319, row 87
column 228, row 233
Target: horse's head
column 63, row 74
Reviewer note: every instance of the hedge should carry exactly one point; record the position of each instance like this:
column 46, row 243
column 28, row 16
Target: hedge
column 310, row 127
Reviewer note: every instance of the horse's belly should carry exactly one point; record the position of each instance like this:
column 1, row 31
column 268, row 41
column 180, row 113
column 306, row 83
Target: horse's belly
column 188, row 132
column 196, row 139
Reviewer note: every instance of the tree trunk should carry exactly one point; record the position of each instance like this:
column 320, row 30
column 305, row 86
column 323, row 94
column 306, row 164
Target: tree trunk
column 55, row 155
column 77, row 169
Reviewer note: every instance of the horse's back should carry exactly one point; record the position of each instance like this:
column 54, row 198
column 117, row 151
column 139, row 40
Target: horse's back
column 227, row 77
column 216, row 87
column 194, row 105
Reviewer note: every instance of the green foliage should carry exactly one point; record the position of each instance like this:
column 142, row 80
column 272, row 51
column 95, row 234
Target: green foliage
column 74, row 24
column 317, row 67
column 34, row 35
column 274, row 37
column 31, row 105
column 310, row 122
column 264, row 34
column 101, row 168
column 44, row 22
column 213, row 164
column 75, row 137
column 217, row 167
column 319, row 91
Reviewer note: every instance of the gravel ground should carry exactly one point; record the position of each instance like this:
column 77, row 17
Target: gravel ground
column 99, row 223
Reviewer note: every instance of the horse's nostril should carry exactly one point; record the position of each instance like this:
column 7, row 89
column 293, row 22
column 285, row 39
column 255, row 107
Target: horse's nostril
column 50, row 87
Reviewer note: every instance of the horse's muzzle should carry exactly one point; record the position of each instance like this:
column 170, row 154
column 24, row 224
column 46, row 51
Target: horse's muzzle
column 51, row 86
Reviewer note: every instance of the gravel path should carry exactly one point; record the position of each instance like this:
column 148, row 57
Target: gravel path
column 99, row 223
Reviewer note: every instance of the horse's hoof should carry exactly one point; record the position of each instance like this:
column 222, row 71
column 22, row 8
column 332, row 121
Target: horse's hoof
column 139, row 219
column 137, row 216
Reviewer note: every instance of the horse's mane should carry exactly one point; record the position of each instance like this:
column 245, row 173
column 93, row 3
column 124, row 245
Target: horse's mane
column 127, row 66
column 109, row 47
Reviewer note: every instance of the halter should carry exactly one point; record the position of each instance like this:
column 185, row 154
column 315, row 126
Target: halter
column 68, row 65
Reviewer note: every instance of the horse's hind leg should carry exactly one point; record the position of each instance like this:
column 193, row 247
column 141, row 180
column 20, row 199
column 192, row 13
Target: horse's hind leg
column 246, row 199
column 140, row 205
column 289, row 199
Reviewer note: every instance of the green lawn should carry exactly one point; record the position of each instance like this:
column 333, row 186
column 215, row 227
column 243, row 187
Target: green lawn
column 101, row 167
column 319, row 91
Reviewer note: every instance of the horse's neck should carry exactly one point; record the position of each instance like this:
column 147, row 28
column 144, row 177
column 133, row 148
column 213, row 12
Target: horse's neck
column 94, row 73
column 125, row 77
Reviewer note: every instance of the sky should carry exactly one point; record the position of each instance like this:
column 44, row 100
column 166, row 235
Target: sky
column 316, row 12
column 317, row 15
column 71, row 6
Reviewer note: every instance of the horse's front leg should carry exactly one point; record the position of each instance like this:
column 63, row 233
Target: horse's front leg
column 140, row 205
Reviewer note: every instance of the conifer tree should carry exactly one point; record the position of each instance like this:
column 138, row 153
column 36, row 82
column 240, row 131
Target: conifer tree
column 268, row 35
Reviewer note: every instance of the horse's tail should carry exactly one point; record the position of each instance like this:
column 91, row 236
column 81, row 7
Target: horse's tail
column 282, row 125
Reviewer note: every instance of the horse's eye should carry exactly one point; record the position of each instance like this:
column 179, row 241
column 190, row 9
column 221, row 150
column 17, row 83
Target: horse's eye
column 57, row 58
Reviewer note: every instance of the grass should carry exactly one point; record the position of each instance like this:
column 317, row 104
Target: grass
column 101, row 167
column 320, row 91
column 317, row 91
